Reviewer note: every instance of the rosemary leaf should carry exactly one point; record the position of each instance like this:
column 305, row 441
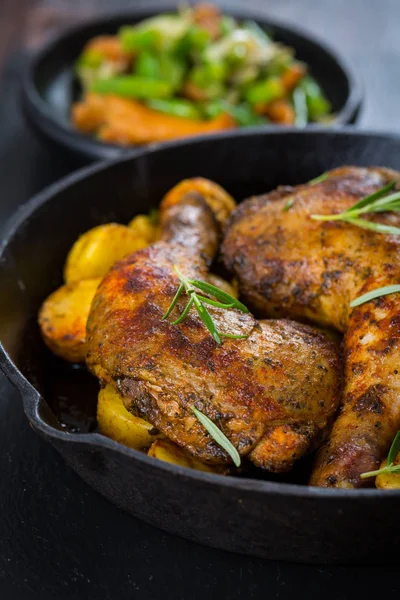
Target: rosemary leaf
column 394, row 449
column 318, row 179
column 184, row 313
column 377, row 202
column 372, row 226
column 219, row 294
column 207, row 319
column 217, row 436
column 393, row 452
column 382, row 471
column 233, row 336
column 174, row 301
column 377, row 293
column 288, row 204
column 215, row 303
column 372, row 197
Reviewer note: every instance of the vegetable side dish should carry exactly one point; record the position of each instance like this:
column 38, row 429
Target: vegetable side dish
column 192, row 72
column 190, row 376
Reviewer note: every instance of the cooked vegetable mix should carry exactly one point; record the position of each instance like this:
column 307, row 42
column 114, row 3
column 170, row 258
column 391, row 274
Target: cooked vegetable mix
column 195, row 65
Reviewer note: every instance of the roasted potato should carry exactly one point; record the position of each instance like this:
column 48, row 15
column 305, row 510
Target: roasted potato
column 169, row 452
column 145, row 227
column 63, row 316
column 117, row 423
column 221, row 203
column 94, row 253
column 388, row 481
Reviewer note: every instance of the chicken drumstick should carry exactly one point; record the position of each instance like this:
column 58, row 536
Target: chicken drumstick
column 273, row 394
column 289, row 265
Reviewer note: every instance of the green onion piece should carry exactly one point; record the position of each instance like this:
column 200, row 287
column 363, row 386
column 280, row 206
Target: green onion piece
column 162, row 32
column 193, row 42
column 265, row 91
column 178, row 108
column 243, row 113
column 218, row 436
column 133, row 39
column 227, row 25
column 91, row 59
column 317, row 104
column 300, row 107
column 257, row 31
column 132, row 86
column 147, row 65
column 377, row 293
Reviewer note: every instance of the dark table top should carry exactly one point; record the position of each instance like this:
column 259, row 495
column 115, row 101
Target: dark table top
column 58, row 538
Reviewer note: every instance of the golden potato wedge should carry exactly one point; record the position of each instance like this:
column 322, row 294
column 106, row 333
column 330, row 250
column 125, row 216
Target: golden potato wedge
column 222, row 284
column 145, row 227
column 117, row 423
column 221, row 203
column 95, row 252
column 169, row 452
column 388, row 481
column 63, row 316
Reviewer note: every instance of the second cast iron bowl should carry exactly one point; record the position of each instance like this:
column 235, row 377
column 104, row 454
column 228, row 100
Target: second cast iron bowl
column 49, row 87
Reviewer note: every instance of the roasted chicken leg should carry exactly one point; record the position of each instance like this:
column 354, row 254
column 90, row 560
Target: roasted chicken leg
column 273, row 394
column 289, row 265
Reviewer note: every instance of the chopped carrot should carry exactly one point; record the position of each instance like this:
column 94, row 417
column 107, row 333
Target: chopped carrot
column 192, row 92
column 292, row 76
column 279, row 111
column 208, row 17
column 124, row 121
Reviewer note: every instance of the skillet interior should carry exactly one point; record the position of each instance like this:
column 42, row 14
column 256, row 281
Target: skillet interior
column 262, row 518
column 49, row 85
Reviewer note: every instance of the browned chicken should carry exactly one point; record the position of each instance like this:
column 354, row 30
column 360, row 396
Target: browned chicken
column 273, row 394
column 289, row 265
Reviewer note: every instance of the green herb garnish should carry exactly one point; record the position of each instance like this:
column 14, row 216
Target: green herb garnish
column 318, row 179
column 389, row 467
column 288, row 204
column 377, row 293
column 218, row 436
column 377, row 202
column 222, row 300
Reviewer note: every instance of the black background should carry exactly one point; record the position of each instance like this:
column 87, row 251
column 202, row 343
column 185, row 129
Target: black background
column 58, row 538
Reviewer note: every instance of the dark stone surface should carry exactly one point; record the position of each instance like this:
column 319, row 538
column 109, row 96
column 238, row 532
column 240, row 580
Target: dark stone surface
column 58, row 538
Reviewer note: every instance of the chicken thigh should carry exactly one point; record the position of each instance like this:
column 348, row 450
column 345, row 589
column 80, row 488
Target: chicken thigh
column 289, row 265
column 273, row 394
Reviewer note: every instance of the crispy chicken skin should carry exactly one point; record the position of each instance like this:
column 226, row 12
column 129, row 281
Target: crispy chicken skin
column 273, row 394
column 289, row 265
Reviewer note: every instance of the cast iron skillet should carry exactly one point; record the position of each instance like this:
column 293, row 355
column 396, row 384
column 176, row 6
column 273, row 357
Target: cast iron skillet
column 49, row 86
column 269, row 519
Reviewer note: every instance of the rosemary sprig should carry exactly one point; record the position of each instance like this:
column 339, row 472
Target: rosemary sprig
column 222, row 300
column 217, row 435
column 377, row 202
column 389, row 467
column 377, row 293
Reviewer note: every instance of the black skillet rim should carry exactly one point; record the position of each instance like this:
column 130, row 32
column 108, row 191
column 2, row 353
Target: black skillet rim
column 39, row 115
column 32, row 399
